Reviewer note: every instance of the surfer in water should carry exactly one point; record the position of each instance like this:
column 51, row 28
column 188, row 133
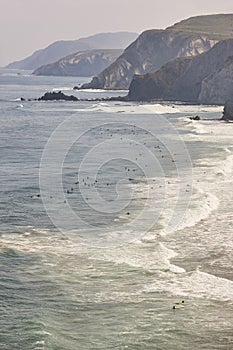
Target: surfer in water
column 179, row 305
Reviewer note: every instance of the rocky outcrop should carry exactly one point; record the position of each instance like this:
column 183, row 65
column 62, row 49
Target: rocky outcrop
column 57, row 96
column 181, row 79
column 218, row 87
column 60, row 96
column 228, row 110
column 60, row 49
column 85, row 64
column 154, row 48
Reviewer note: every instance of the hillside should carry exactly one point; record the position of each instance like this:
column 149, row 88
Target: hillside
column 154, row 48
column 189, row 79
column 63, row 48
column 219, row 26
column 85, row 64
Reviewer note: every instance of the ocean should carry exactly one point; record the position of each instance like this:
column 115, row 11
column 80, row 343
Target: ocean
column 111, row 214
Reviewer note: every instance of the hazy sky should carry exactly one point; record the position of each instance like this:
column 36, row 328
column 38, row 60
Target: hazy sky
column 27, row 25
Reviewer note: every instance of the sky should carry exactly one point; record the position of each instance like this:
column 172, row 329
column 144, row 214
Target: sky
column 28, row 25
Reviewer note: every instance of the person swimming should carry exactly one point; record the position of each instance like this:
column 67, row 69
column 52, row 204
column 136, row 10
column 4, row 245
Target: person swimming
column 179, row 305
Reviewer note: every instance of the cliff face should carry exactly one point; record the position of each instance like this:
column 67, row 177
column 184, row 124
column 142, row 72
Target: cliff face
column 228, row 110
column 150, row 51
column 157, row 85
column 154, row 48
column 85, row 64
column 185, row 79
column 60, row 49
column 218, row 87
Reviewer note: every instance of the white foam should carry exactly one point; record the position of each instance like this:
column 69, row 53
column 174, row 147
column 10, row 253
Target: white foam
column 124, row 107
column 204, row 206
column 160, row 108
column 200, row 109
column 209, row 172
column 102, row 90
column 177, row 211
column 139, row 256
column 63, row 88
column 202, row 284
column 169, row 108
column 196, row 284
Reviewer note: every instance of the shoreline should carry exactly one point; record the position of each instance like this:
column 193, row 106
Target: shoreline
column 60, row 96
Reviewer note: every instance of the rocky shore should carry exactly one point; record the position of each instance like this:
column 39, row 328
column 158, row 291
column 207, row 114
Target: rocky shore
column 60, row 96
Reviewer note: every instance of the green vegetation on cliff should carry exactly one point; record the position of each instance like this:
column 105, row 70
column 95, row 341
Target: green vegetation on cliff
column 219, row 26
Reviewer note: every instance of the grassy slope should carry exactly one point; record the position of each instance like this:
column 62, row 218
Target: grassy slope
column 217, row 26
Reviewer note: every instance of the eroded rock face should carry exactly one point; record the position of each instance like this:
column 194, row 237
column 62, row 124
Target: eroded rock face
column 154, row 48
column 150, row 51
column 228, row 110
column 85, row 64
column 181, row 79
column 218, row 87
column 158, row 84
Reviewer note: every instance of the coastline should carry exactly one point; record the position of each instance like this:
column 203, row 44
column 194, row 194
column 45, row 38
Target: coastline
column 129, row 288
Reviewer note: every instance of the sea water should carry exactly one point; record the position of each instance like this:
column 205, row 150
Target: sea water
column 112, row 212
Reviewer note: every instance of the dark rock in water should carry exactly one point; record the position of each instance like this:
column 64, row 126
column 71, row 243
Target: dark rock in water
column 22, row 99
column 57, row 96
column 228, row 111
column 195, row 118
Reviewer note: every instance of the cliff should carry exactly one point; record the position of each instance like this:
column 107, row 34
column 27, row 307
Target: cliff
column 60, row 49
column 154, row 48
column 218, row 87
column 150, row 51
column 157, row 85
column 186, row 79
column 228, row 110
column 85, row 63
